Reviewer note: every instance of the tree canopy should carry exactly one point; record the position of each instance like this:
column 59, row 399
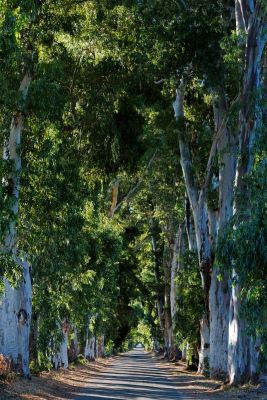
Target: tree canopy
column 133, row 181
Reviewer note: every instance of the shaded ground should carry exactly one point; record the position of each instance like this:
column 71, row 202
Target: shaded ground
column 132, row 376
column 51, row 385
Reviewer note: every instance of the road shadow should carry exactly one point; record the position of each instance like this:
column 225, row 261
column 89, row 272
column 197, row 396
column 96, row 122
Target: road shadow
column 136, row 375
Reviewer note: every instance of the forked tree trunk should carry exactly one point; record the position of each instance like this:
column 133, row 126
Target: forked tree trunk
column 200, row 216
column 16, row 304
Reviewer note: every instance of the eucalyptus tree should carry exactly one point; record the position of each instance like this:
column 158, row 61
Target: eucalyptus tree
column 16, row 56
column 200, row 78
column 241, row 356
column 168, row 47
column 103, row 219
column 84, row 78
column 251, row 24
column 39, row 52
column 174, row 57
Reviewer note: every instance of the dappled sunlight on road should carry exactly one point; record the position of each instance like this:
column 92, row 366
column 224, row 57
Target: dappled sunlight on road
column 136, row 375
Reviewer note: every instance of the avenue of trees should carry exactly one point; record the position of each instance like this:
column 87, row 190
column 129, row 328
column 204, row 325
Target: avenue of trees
column 134, row 182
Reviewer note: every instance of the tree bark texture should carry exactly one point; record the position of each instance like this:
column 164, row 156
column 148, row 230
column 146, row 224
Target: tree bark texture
column 220, row 291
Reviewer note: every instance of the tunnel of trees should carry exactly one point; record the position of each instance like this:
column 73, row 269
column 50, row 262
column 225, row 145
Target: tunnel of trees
column 134, row 182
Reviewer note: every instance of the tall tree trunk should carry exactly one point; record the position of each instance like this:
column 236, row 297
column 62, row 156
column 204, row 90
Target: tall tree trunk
column 60, row 359
column 16, row 304
column 157, row 274
column 169, row 343
column 220, row 291
column 178, row 253
column 200, row 215
column 100, row 346
column 73, row 350
column 250, row 119
column 190, row 228
column 90, row 348
column 90, row 342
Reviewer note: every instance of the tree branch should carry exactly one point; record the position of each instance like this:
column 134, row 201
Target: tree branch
column 115, row 192
column 130, row 193
column 186, row 160
column 219, row 132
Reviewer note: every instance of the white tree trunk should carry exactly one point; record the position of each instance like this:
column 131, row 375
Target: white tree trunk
column 90, row 348
column 239, row 342
column 204, row 351
column 174, row 268
column 60, row 359
column 169, row 340
column 250, row 118
column 204, row 254
column 220, row 291
column 159, row 300
column 219, row 325
column 184, row 352
column 16, row 303
column 190, row 228
column 200, row 215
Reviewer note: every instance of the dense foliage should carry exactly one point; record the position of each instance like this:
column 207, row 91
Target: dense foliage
column 109, row 218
